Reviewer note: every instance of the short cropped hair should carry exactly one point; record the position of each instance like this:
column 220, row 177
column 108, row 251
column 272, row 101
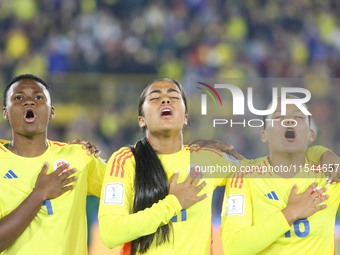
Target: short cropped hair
column 25, row 76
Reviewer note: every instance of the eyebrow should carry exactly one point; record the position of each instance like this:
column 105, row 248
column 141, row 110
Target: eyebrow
column 279, row 111
column 159, row 91
column 22, row 92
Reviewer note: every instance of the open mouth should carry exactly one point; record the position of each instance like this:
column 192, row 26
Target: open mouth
column 166, row 112
column 29, row 115
column 290, row 134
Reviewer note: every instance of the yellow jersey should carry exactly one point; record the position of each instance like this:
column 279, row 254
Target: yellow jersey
column 60, row 226
column 191, row 227
column 252, row 221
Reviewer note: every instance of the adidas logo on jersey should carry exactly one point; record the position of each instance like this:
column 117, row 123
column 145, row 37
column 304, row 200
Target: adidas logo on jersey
column 10, row 175
column 271, row 195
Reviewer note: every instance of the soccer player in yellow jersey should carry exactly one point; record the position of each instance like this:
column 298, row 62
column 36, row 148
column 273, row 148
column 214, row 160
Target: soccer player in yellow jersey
column 40, row 213
column 284, row 212
column 138, row 207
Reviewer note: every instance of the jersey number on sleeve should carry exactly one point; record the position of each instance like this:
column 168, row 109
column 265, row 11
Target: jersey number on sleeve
column 297, row 230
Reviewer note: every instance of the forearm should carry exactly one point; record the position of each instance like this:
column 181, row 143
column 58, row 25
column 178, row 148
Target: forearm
column 120, row 229
column 256, row 237
column 15, row 223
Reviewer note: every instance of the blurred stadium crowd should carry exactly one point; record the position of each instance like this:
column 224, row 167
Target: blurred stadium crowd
column 81, row 47
column 178, row 38
column 175, row 38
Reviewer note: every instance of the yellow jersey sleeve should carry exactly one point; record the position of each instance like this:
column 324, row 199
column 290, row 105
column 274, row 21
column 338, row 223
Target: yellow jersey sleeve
column 96, row 170
column 314, row 153
column 215, row 163
column 237, row 221
column 117, row 223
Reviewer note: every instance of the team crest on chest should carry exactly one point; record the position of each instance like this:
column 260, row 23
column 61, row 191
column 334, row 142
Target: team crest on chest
column 315, row 190
column 195, row 168
column 61, row 162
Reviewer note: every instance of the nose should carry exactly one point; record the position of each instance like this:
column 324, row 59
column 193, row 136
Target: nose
column 290, row 122
column 28, row 102
column 166, row 100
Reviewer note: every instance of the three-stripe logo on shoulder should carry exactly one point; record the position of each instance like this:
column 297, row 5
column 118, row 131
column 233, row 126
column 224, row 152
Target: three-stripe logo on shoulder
column 10, row 175
column 271, row 195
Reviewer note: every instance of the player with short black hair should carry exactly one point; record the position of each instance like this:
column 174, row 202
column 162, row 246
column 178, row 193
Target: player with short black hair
column 39, row 211
column 26, row 76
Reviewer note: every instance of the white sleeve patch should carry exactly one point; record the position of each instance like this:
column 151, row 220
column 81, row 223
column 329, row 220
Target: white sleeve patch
column 235, row 205
column 232, row 159
column 114, row 194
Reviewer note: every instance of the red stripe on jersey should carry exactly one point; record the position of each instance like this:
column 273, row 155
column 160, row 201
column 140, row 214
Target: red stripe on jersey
column 235, row 185
column 126, row 249
column 49, row 142
column 126, row 157
column 3, row 149
column 118, row 162
column 232, row 180
column 114, row 161
column 241, row 182
column 205, row 149
column 187, row 147
column 59, row 144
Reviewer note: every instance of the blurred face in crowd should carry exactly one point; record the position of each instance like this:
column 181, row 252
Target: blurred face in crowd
column 28, row 107
column 289, row 133
column 163, row 110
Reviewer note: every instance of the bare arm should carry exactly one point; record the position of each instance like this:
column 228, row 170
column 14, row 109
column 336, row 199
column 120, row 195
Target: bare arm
column 216, row 144
column 46, row 187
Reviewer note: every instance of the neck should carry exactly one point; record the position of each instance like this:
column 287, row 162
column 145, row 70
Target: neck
column 291, row 160
column 32, row 146
column 166, row 144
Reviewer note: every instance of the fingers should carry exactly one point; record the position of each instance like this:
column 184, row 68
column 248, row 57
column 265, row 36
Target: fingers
column 69, row 180
column 318, row 192
column 220, row 145
column 320, row 207
column 235, row 154
column 321, row 199
column 76, row 141
column 197, row 178
column 225, row 147
column 44, row 169
column 61, row 168
column 67, row 188
column 294, row 189
column 335, row 178
column 92, row 149
column 68, row 173
column 201, row 186
column 97, row 153
column 200, row 198
column 311, row 187
column 174, row 177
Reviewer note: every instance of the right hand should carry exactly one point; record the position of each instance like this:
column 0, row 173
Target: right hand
column 216, row 144
column 53, row 185
column 300, row 206
column 186, row 192
column 91, row 148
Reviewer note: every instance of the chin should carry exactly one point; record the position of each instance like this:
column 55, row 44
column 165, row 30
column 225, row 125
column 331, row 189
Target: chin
column 294, row 149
